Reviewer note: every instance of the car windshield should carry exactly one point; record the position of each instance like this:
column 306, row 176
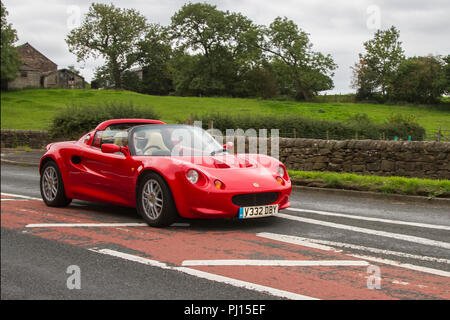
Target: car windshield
column 173, row 140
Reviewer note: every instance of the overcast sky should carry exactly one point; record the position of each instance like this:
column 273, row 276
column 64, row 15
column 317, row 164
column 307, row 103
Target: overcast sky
column 336, row 27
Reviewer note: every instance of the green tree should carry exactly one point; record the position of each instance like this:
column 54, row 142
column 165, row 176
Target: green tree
column 420, row 80
column 10, row 60
column 222, row 45
column 290, row 51
column 102, row 78
column 447, row 73
column 377, row 67
column 155, row 54
column 73, row 69
column 111, row 33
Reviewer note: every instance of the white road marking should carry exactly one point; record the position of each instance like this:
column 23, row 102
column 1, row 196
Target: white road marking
column 76, row 225
column 98, row 225
column 350, row 216
column 304, row 241
column 206, row 275
column 330, row 246
column 13, row 199
column 403, row 265
column 279, row 263
column 397, row 236
column 19, row 196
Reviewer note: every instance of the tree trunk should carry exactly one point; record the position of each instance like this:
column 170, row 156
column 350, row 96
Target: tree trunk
column 117, row 79
column 307, row 96
column 115, row 73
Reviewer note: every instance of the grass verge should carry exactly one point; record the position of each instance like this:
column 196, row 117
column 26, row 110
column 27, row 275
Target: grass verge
column 387, row 185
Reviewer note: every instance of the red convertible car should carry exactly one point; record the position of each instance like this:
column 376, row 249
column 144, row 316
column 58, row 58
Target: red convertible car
column 164, row 171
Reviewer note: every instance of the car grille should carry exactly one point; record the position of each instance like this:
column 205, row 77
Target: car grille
column 255, row 199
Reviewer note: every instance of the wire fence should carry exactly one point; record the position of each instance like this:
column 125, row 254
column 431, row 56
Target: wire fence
column 440, row 135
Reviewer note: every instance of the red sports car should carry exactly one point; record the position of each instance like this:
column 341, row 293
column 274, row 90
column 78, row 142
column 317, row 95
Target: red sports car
column 163, row 171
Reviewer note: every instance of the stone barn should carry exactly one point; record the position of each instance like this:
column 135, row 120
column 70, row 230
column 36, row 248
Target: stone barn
column 63, row 78
column 38, row 71
column 28, row 77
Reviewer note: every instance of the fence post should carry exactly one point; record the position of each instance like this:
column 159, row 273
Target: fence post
column 439, row 135
column 294, row 133
column 211, row 124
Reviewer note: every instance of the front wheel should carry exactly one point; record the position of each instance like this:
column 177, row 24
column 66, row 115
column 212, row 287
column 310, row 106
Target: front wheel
column 154, row 201
column 52, row 186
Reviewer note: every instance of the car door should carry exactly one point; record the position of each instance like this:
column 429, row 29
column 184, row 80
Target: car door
column 106, row 177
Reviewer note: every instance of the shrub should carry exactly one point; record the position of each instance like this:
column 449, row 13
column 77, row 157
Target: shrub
column 356, row 127
column 403, row 126
column 73, row 121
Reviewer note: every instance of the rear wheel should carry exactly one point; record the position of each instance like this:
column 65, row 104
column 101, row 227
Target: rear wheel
column 154, row 201
column 52, row 186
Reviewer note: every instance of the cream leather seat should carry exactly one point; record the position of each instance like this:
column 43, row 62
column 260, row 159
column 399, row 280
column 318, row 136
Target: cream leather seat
column 154, row 139
column 121, row 139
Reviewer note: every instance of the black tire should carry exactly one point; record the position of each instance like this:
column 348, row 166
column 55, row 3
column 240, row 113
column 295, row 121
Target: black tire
column 156, row 208
column 55, row 197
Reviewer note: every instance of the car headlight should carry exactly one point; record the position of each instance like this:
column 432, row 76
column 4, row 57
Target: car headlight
column 281, row 171
column 192, row 176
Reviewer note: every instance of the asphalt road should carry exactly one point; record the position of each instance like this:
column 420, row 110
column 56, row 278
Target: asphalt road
column 408, row 241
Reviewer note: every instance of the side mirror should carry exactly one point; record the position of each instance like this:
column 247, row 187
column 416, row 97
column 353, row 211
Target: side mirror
column 110, row 148
column 228, row 146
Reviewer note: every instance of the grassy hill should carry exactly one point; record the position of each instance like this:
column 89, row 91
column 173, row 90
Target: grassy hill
column 34, row 109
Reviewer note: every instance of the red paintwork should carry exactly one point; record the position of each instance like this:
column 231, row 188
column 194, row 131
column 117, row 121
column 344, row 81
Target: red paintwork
column 107, row 123
column 112, row 178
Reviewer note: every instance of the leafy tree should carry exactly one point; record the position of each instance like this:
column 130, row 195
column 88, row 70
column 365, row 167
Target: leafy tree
column 377, row 67
column 155, row 53
column 222, row 45
column 261, row 82
column 290, row 50
column 420, row 80
column 111, row 33
column 74, row 70
column 10, row 60
column 102, row 78
column 447, row 73
column 131, row 81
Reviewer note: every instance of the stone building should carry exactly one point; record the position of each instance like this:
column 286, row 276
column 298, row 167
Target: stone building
column 38, row 71
column 63, row 78
column 27, row 77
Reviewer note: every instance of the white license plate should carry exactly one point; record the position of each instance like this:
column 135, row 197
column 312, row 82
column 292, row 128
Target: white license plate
column 257, row 212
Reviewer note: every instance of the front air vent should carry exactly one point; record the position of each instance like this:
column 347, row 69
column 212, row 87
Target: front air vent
column 255, row 199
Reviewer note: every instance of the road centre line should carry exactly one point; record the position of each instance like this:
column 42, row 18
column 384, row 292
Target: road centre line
column 280, row 263
column 407, row 223
column 205, row 275
column 403, row 237
column 330, row 246
column 305, row 242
